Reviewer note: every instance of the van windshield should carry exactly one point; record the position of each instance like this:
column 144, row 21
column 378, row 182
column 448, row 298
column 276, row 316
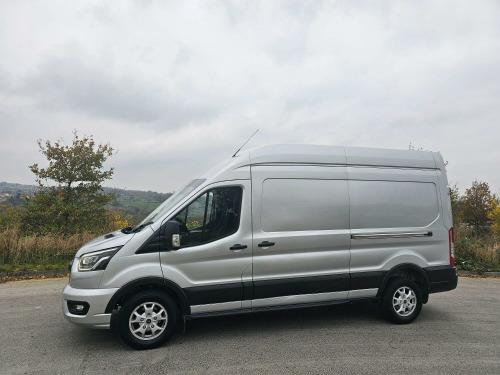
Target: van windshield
column 172, row 201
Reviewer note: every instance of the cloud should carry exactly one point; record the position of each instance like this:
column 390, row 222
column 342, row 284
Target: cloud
column 177, row 86
column 69, row 84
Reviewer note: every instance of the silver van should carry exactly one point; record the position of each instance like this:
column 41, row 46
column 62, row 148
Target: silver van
column 283, row 226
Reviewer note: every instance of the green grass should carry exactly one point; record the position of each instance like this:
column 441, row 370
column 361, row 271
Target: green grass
column 45, row 266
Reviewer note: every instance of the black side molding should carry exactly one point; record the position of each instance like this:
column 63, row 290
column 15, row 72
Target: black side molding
column 217, row 293
column 300, row 285
column 367, row 280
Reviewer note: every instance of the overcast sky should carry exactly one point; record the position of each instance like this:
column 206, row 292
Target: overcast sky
column 179, row 86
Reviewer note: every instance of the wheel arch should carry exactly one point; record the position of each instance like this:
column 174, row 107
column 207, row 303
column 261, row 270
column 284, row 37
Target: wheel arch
column 410, row 271
column 152, row 283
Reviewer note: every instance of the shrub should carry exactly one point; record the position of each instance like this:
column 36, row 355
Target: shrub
column 473, row 253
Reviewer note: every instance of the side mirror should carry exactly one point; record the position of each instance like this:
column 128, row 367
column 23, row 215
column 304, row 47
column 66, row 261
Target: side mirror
column 171, row 235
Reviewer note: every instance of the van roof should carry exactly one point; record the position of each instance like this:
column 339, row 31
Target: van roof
column 238, row 167
column 359, row 156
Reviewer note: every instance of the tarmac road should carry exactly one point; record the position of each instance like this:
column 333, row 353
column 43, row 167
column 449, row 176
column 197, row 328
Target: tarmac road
column 457, row 332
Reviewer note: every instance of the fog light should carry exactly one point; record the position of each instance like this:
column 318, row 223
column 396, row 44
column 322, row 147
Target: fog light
column 78, row 307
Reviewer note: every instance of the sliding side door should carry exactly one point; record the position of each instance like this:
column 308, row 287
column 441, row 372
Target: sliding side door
column 301, row 240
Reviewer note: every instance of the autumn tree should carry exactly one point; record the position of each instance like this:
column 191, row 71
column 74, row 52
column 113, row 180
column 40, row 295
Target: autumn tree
column 69, row 197
column 475, row 206
column 456, row 203
column 494, row 216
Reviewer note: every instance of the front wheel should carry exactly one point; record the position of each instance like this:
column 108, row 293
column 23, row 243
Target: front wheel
column 402, row 301
column 147, row 319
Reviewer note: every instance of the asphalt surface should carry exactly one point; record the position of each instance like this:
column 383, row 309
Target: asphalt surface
column 457, row 332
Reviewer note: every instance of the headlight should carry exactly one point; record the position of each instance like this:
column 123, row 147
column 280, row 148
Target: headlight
column 97, row 260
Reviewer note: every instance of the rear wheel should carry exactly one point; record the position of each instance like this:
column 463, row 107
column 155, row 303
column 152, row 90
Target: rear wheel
column 147, row 319
column 402, row 301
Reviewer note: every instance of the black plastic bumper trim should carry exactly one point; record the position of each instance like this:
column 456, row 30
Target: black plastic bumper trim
column 443, row 278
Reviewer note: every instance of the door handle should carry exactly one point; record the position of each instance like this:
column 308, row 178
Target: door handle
column 265, row 244
column 238, row 247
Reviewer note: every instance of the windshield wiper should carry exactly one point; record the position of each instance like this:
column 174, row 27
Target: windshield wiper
column 135, row 229
column 139, row 227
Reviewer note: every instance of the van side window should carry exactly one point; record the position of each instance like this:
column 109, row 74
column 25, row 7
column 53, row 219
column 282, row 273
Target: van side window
column 392, row 204
column 292, row 205
column 214, row 215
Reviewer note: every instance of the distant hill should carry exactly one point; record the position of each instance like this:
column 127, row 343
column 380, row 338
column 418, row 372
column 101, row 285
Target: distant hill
column 12, row 194
column 136, row 203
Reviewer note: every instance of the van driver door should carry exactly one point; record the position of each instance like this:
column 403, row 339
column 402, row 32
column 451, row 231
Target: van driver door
column 215, row 259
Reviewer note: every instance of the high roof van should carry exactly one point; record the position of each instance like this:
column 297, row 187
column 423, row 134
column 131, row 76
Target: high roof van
column 283, row 226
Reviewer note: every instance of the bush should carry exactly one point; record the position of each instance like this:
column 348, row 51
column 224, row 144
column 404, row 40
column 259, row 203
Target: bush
column 10, row 217
column 474, row 253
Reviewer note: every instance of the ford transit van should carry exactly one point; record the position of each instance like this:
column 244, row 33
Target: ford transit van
column 276, row 227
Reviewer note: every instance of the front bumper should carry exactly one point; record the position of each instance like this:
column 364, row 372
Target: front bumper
column 97, row 300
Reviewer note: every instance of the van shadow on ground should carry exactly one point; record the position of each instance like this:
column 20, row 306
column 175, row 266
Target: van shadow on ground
column 327, row 317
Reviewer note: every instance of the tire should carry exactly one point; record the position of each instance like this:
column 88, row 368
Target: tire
column 153, row 317
column 402, row 301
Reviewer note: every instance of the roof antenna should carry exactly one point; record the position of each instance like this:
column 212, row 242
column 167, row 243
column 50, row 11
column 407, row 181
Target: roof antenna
column 245, row 143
